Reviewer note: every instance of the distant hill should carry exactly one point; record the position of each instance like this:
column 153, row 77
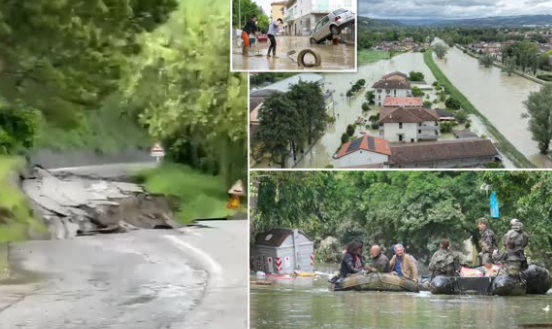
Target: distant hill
column 365, row 22
column 485, row 22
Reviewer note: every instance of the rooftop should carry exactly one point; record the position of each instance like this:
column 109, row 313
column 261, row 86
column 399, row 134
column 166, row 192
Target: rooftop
column 367, row 143
column 394, row 73
column 464, row 134
column 439, row 151
column 403, row 101
column 407, row 115
column 391, row 84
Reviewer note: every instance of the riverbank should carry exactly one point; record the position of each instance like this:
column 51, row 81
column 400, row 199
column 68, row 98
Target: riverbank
column 502, row 143
column 371, row 56
column 500, row 66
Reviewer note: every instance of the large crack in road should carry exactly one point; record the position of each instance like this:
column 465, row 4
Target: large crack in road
column 184, row 278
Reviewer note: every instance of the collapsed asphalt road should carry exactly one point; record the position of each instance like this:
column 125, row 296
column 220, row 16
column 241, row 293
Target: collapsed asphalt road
column 194, row 277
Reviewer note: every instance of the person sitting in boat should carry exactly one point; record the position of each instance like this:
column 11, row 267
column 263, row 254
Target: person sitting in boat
column 403, row 264
column 349, row 261
column 359, row 262
column 444, row 261
column 379, row 262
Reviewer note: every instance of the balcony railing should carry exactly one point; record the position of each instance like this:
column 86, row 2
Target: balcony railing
column 428, row 136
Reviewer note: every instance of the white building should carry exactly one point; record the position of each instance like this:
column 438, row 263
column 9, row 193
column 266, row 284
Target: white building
column 364, row 152
column 391, row 88
column 301, row 17
column 409, row 125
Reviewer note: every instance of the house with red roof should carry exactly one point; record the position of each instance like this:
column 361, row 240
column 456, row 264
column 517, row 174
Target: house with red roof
column 364, row 152
column 403, row 102
column 401, row 124
column 391, row 88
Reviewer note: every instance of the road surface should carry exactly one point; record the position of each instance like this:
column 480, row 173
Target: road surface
column 195, row 277
column 334, row 57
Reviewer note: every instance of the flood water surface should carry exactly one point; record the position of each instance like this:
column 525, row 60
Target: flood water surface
column 302, row 306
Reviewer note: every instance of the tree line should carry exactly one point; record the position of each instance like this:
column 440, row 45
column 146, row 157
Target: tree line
column 414, row 208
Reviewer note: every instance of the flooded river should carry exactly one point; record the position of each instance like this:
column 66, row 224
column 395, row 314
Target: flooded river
column 307, row 304
column 498, row 97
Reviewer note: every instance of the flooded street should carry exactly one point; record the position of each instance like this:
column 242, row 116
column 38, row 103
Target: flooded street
column 498, row 97
column 334, row 57
column 308, row 304
column 347, row 110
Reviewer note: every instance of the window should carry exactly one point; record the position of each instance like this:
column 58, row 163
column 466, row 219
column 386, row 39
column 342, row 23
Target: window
column 436, row 123
column 388, row 91
column 379, row 91
column 419, row 131
column 339, row 11
column 400, row 125
column 436, row 133
column 419, row 124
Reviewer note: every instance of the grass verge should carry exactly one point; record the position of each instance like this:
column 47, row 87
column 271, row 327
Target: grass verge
column 200, row 195
column 370, row 56
column 16, row 219
column 502, row 143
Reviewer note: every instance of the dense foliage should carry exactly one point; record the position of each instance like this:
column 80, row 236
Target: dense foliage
column 539, row 112
column 415, row 208
column 290, row 121
column 182, row 90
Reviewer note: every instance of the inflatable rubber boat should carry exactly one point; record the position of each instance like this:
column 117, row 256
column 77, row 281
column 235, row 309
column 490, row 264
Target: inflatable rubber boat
column 375, row 282
column 537, row 281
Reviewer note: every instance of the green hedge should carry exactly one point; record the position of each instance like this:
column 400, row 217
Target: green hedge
column 502, row 143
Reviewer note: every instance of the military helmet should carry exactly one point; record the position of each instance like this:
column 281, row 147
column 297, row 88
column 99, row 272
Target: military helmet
column 516, row 224
column 482, row 220
column 515, row 221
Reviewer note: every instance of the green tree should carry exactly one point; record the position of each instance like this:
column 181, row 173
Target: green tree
column 242, row 11
column 365, row 107
column 440, row 50
column 182, row 90
column 350, row 130
column 345, row 138
column 539, row 112
column 416, row 76
column 63, row 57
column 509, row 66
column 486, row 60
column 308, row 100
column 453, row 103
column 417, row 92
column 370, row 97
column 263, row 23
column 280, row 128
column 19, row 128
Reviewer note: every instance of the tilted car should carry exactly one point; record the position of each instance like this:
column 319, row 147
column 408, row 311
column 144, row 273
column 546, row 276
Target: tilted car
column 332, row 24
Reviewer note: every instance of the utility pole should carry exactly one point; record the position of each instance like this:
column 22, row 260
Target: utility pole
column 239, row 13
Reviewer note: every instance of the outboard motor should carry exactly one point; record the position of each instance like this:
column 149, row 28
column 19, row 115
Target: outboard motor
column 505, row 285
column 538, row 280
column 442, row 285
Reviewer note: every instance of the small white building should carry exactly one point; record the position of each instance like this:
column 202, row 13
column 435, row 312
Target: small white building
column 283, row 251
column 391, row 88
column 364, row 152
column 409, row 124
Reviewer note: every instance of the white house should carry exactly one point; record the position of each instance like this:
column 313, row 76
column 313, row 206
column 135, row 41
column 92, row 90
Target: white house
column 391, row 88
column 409, row 124
column 364, row 152
column 303, row 15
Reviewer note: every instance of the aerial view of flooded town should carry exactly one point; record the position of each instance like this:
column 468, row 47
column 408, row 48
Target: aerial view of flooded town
column 449, row 92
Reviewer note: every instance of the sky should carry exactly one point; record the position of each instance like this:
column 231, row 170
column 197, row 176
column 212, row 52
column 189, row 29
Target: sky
column 266, row 5
column 451, row 9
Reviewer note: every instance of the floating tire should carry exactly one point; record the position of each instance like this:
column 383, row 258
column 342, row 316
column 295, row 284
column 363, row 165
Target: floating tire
column 303, row 53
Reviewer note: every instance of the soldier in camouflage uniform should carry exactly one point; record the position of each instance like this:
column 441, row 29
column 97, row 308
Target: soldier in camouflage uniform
column 515, row 241
column 444, row 261
column 487, row 242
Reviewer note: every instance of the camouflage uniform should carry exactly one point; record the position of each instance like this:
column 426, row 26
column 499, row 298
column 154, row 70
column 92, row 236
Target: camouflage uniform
column 488, row 244
column 444, row 262
column 515, row 242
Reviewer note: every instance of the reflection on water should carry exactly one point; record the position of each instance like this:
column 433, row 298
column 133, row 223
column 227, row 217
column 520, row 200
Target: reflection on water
column 498, row 97
column 309, row 305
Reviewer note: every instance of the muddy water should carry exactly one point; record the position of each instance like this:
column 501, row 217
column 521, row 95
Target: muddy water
column 334, row 57
column 498, row 97
column 347, row 110
column 308, row 304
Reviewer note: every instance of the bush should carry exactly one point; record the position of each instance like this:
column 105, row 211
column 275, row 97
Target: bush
column 365, row 107
column 374, row 118
column 545, row 77
column 349, row 93
column 461, row 116
column 453, row 103
column 344, row 138
column 428, row 103
column 361, row 82
column 375, row 125
column 350, row 130
column 416, row 92
column 446, row 127
column 416, row 76
column 329, row 250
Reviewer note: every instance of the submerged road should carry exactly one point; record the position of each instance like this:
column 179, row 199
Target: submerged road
column 194, row 277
